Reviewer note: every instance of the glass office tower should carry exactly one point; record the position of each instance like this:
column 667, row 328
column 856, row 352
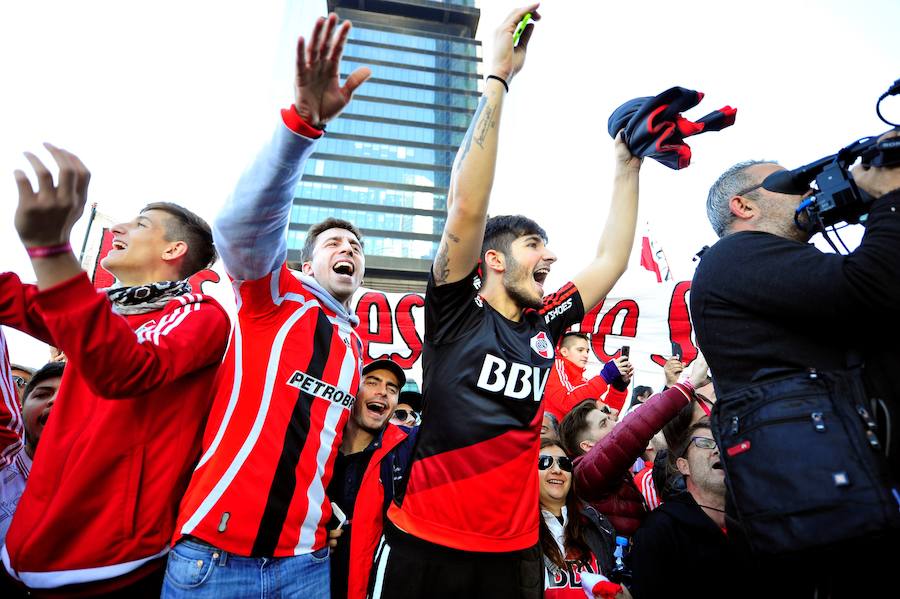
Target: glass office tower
column 385, row 163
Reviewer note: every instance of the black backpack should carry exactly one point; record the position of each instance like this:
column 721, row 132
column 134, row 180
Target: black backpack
column 803, row 465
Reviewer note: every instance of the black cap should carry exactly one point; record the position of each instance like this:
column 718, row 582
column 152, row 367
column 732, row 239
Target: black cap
column 411, row 398
column 385, row 364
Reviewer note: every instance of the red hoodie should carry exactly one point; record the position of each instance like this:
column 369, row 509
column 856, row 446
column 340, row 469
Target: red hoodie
column 118, row 450
column 567, row 387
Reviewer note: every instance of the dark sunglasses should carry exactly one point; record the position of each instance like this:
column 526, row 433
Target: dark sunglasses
column 19, row 381
column 404, row 415
column 546, row 461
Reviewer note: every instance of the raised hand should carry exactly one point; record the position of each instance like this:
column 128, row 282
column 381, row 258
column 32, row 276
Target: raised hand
column 319, row 96
column 625, row 368
column 624, row 158
column 46, row 218
column 508, row 60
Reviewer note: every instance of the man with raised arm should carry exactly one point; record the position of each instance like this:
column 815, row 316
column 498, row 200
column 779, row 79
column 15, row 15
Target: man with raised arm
column 98, row 511
column 467, row 524
column 252, row 522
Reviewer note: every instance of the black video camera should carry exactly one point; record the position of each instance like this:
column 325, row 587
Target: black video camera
column 838, row 199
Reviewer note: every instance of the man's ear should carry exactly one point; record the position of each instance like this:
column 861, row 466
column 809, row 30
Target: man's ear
column 586, row 445
column 306, row 268
column 563, row 351
column 743, row 207
column 495, row 260
column 683, row 466
column 174, row 250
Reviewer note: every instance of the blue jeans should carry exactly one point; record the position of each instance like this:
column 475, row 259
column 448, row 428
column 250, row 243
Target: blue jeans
column 200, row 571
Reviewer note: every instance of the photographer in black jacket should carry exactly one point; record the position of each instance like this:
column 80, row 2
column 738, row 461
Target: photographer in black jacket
column 765, row 303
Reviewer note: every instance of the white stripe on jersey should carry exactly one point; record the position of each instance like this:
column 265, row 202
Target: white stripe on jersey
column 10, row 402
column 315, row 494
column 168, row 329
column 563, row 377
column 250, row 442
column 232, row 401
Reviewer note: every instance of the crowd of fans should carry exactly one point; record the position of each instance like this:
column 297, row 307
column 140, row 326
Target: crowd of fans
column 181, row 460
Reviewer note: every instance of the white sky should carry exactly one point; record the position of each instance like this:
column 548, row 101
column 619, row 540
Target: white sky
column 169, row 100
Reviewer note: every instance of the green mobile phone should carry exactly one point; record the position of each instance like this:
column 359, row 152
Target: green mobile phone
column 522, row 25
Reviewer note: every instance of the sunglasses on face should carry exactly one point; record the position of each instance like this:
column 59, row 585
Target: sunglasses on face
column 19, row 381
column 404, row 415
column 546, row 461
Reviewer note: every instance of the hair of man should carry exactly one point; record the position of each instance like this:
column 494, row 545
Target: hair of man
column 184, row 225
column 574, row 425
column 501, row 231
column 575, row 544
column 47, row 371
column 309, row 246
column 729, row 183
column 571, row 337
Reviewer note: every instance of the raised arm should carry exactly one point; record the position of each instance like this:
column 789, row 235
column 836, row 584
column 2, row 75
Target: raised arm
column 473, row 169
column 250, row 230
column 595, row 281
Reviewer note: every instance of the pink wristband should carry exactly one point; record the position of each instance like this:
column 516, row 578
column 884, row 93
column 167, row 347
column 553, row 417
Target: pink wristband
column 46, row 251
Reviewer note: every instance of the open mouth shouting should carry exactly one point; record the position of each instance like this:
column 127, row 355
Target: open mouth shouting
column 540, row 275
column 344, row 268
column 717, row 465
column 118, row 244
column 376, row 408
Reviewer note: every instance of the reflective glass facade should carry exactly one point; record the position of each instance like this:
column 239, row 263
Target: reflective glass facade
column 384, row 164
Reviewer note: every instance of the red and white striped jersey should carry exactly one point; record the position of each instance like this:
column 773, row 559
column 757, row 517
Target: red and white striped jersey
column 14, row 463
column 11, row 427
column 285, row 392
column 644, row 482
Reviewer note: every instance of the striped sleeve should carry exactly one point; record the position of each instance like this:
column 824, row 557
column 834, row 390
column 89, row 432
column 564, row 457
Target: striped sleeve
column 10, row 414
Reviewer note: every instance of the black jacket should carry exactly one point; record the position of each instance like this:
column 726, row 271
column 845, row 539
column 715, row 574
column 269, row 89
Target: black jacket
column 762, row 305
column 680, row 552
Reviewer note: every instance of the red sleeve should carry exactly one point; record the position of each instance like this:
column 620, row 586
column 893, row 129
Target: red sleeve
column 560, row 395
column 603, row 466
column 615, row 398
column 116, row 363
column 10, row 414
column 19, row 310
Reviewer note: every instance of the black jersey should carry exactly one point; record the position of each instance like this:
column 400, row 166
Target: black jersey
column 473, row 483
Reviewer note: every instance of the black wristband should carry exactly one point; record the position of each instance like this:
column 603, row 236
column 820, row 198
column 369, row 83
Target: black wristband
column 500, row 79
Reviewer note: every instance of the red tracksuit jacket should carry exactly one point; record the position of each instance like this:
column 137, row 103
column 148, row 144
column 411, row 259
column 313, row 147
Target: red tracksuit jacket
column 567, row 387
column 117, row 452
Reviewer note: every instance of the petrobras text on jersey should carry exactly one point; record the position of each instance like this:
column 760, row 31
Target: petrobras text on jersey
column 314, row 386
column 558, row 310
column 516, row 381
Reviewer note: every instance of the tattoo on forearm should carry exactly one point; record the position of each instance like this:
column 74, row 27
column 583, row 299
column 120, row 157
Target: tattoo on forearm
column 452, row 237
column 467, row 140
column 441, row 268
column 487, row 123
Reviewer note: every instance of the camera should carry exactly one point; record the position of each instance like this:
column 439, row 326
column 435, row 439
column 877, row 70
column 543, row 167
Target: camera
column 837, row 198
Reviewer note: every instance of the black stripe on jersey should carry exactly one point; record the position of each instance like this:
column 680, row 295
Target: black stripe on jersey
column 285, row 482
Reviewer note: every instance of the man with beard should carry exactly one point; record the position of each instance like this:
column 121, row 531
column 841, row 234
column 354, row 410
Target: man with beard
column 467, row 523
column 687, row 533
column 372, row 461
column 772, row 312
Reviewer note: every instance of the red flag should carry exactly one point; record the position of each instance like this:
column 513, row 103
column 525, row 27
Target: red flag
column 648, row 259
